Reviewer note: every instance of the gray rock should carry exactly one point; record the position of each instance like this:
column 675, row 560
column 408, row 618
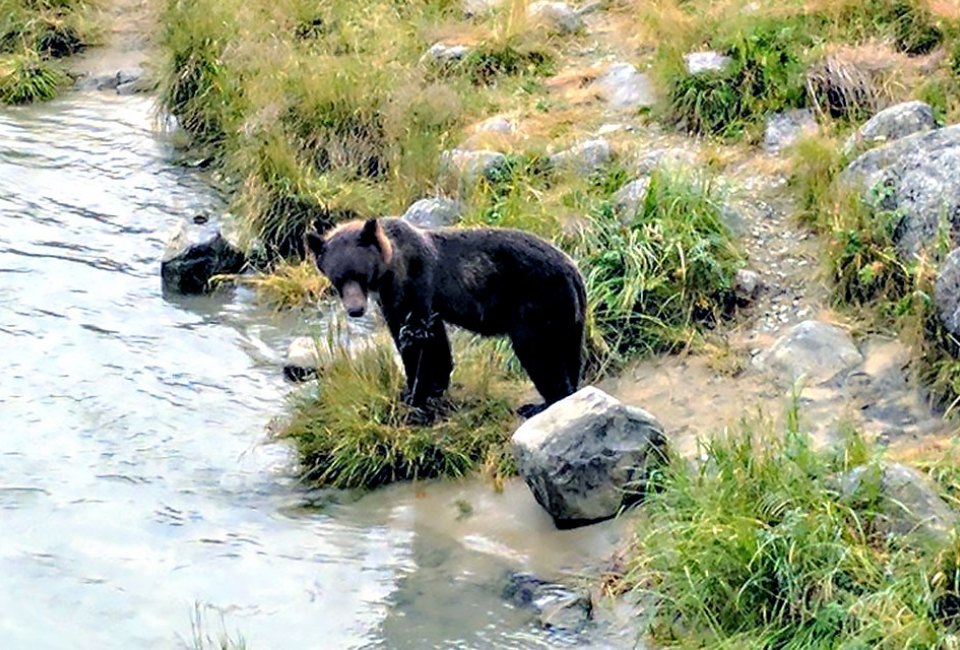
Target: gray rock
column 495, row 124
column 588, row 456
column 196, row 252
column 629, row 198
column 557, row 17
column 710, row 61
column 434, row 213
column 470, row 166
column 584, row 158
column 623, row 87
column 445, row 53
column 130, row 80
column 909, row 504
column 747, row 285
column 784, row 129
column 557, row 607
column 893, row 123
column 946, row 292
column 473, row 8
column 307, row 355
column 917, row 177
column 811, row 350
column 670, row 158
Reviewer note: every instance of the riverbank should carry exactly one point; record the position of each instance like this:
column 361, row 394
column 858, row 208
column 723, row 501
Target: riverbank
column 612, row 130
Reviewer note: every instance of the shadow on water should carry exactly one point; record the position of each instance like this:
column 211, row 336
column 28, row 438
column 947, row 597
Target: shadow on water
column 134, row 477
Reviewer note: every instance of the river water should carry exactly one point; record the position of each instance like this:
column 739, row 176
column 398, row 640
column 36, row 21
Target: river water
column 136, row 482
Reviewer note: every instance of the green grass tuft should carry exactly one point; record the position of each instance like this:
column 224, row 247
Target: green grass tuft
column 352, row 431
column 651, row 278
column 757, row 547
column 26, row 78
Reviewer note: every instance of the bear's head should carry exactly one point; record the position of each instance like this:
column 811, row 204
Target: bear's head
column 353, row 256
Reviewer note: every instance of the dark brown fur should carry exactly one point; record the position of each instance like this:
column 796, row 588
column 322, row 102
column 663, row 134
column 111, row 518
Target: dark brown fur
column 489, row 281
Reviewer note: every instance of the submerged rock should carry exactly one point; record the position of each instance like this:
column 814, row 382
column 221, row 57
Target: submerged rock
column 307, row 355
column 893, row 123
column 434, row 213
column 915, row 176
column 123, row 81
column 811, row 350
column 784, row 129
column 709, row 61
column 624, row 87
column 196, row 252
column 908, row 503
column 588, row 456
column 584, row 158
column 557, row 607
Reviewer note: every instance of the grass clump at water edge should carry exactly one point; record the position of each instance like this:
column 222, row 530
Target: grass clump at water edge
column 352, row 431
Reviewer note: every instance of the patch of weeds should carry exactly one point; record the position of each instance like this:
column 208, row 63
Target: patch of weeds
column 26, row 78
column 492, row 60
column 201, row 638
column 653, row 278
column 756, row 547
column 765, row 75
column 351, row 430
column 912, row 25
column 198, row 87
column 513, row 196
column 286, row 286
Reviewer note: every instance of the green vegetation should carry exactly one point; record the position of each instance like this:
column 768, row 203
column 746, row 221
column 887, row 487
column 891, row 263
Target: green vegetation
column 653, row 275
column 331, row 112
column 868, row 274
column 33, row 34
column 759, row 547
column 352, row 430
column 780, row 57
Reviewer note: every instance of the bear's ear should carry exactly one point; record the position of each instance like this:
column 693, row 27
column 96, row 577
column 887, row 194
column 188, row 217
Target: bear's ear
column 316, row 244
column 369, row 234
column 372, row 235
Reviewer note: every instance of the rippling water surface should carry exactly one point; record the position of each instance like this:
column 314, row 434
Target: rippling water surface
column 134, row 481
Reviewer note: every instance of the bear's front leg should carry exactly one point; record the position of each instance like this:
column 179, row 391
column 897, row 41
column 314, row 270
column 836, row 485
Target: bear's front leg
column 427, row 361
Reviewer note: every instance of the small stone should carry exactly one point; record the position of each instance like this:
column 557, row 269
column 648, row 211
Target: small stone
column 444, row 53
column 588, row 456
column 495, row 124
column 558, row 17
column 307, row 355
column 629, row 198
column 584, row 158
column 747, row 285
column 470, row 166
column 811, row 350
column 623, row 87
column 665, row 158
column 785, row 129
column 709, row 61
column 910, row 506
column 434, row 213
column 946, row 294
column 473, row 8
column 557, row 607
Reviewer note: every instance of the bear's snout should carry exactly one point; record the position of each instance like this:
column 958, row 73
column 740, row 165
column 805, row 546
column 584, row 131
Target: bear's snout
column 354, row 299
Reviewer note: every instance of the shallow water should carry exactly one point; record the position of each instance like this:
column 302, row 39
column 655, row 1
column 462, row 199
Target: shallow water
column 134, row 477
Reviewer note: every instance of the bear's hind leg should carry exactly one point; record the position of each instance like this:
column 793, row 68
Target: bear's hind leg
column 547, row 361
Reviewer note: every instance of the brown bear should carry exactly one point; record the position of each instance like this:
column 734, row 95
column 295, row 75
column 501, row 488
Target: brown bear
column 490, row 281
